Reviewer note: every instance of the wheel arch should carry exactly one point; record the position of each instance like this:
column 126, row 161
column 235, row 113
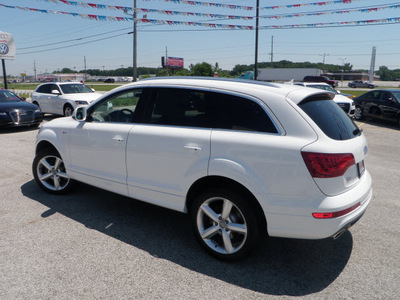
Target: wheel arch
column 214, row 182
column 44, row 145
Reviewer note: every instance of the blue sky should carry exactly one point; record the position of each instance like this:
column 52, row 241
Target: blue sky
column 35, row 33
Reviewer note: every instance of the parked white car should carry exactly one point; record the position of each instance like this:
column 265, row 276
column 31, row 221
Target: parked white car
column 243, row 158
column 344, row 102
column 62, row 98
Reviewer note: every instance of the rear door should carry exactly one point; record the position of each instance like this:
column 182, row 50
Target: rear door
column 170, row 150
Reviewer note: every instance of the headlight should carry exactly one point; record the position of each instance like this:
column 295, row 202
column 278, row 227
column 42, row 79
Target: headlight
column 81, row 102
column 2, row 113
column 38, row 111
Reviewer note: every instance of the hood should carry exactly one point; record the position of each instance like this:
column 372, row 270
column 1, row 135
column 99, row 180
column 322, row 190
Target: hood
column 342, row 99
column 90, row 97
column 12, row 105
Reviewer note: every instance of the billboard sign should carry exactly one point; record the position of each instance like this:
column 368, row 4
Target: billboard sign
column 7, row 46
column 172, row 62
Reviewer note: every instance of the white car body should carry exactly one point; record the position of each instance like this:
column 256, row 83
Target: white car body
column 344, row 102
column 52, row 97
column 164, row 164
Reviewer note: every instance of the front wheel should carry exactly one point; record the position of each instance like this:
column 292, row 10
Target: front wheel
column 358, row 114
column 49, row 171
column 225, row 224
column 68, row 110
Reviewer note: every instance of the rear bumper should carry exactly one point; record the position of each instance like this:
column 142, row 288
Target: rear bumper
column 305, row 226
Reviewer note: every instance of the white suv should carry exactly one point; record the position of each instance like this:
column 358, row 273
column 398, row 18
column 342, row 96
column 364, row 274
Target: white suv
column 244, row 159
column 62, row 98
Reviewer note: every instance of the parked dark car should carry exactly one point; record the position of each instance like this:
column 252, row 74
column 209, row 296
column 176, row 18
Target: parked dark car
column 381, row 104
column 109, row 80
column 325, row 79
column 362, row 84
column 14, row 111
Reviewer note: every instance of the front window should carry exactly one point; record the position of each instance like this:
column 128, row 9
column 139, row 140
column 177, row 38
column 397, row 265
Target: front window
column 75, row 88
column 6, row 96
column 118, row 108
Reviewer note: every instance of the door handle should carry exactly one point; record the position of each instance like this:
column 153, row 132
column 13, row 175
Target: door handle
column 194, row 148
column 118, row 139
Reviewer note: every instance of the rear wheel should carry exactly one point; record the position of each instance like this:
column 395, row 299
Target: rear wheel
column 49, row 171
column 226, row 225
column 358, row 114
column 68, row 110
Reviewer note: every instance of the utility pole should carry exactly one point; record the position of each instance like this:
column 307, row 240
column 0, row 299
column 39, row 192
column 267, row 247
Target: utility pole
column 256, row 50
column 84, row 62
column 342, row 59
column 34, row 69
column 134, row 43
column 272, row 51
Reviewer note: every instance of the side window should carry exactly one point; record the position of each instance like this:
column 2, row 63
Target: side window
column 181, row 107
column 386, row 96
column 237, row 113
column 44, row 89
column 117, row 108
column 53, row 87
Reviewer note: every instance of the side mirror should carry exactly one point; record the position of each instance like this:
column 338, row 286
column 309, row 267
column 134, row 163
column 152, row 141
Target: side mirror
column 339, row 92
column 55, row 92
column 80, row 114
column 93, row 90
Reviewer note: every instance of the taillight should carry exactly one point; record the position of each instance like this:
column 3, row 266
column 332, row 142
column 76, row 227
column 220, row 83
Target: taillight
column 324, row 165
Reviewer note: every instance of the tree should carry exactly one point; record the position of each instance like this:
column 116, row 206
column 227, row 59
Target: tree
column 202, row 69
column 385, row 74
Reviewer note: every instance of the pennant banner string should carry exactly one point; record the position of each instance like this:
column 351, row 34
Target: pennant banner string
column 232, row 17
column 310, row 4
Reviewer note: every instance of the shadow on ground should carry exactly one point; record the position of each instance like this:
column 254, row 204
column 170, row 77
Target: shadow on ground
column 278, row 267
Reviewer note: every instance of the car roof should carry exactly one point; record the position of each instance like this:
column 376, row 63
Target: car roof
column 256, row 88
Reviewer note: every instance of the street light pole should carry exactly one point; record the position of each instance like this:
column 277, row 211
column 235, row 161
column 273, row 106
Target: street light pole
column 134, row 43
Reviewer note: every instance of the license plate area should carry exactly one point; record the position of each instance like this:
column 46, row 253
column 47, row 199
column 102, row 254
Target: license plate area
column 361, row 168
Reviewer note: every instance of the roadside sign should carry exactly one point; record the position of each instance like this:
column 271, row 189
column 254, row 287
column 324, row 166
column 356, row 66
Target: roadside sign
column 7, row 46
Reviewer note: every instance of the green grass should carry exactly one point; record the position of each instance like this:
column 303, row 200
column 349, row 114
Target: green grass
column 353, row 92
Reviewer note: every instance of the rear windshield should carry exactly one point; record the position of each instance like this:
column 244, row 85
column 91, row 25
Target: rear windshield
column 330, row 118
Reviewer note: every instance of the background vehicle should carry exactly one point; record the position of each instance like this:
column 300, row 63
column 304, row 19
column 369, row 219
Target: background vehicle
column 325, row 79
column 362, row 84
column 14, row 111
column 62, row 98
column 381, row 104
column 109, row 80
column 343, row 101
column 242, row 158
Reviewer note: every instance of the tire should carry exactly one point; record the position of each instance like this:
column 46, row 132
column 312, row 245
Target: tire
column 358, row 114
column 49, row 172
column 371, row 86
column 68, row 110
column 225, row 224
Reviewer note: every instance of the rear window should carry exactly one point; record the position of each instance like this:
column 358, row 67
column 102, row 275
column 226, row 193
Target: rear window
column 330, row 118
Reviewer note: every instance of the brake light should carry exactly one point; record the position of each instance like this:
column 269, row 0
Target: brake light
column 336, row 214
column 324, row 165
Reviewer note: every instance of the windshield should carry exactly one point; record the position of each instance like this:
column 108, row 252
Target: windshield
column 8, row 96
column 75, row 88
column 323, row 87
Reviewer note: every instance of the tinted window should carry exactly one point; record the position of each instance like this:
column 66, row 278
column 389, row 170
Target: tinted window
column 117, row 108
column 44, row 89
column 194, row 108
column 181, row 107
column 237, row 113
column 330, row 118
